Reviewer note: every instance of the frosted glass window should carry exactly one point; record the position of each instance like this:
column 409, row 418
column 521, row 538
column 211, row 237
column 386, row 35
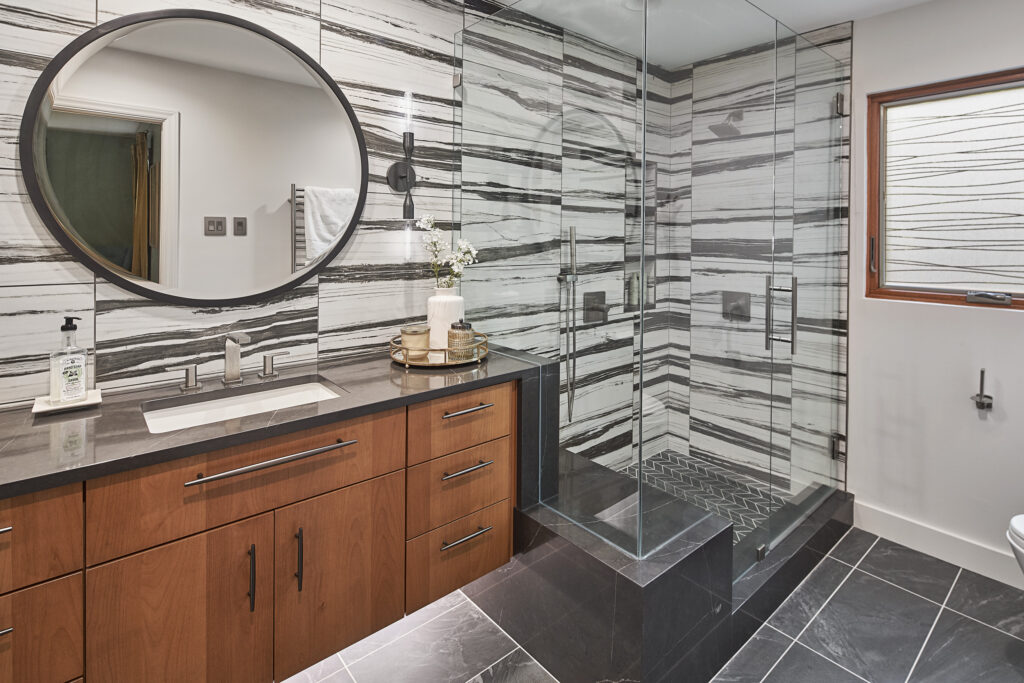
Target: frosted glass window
column 953, row 184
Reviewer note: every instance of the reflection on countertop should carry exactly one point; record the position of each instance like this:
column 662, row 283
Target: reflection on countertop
column 39, row 452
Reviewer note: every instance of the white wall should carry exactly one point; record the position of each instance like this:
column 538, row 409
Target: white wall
column 243, row 141
column 928, row 471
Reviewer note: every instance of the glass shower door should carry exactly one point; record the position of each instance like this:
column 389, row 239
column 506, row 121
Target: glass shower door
column 808, row 293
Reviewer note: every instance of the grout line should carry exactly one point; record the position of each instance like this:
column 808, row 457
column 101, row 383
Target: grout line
column 932, row 629
column 816, row 614
column 769, row 618
column 852, row 673
column 496, row 661
column 397, row 638
column 488, row 616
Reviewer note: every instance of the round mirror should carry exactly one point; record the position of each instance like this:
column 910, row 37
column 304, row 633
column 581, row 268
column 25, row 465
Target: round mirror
column 193, row 157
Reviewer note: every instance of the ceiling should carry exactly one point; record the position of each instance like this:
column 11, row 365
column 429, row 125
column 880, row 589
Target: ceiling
column 684, row 31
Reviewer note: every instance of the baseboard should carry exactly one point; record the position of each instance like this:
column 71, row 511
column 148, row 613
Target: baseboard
column 994, row 563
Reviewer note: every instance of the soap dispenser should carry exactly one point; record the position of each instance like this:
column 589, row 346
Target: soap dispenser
column 68, row 381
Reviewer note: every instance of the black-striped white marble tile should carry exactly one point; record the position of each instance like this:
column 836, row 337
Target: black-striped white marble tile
column 137, row 340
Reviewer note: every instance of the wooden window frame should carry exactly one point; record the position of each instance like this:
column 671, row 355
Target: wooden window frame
column 873, row 265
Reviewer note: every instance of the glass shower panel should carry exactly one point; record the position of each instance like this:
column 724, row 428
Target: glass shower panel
column 548, row 138
column 813, row 262
column 711, row 76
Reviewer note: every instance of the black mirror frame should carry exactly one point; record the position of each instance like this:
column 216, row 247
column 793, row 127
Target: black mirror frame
column 29, row 171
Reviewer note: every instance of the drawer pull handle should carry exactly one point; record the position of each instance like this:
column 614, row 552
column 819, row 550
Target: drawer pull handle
column 474, row 468
column 9, row 629
column 298, row 574
column 467, row 411
column 252, row 578
column 6, row 530
column 270, row 463
column 445, row 545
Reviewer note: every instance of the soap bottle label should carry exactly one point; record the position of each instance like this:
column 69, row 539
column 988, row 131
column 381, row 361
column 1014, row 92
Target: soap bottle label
column 72, row 377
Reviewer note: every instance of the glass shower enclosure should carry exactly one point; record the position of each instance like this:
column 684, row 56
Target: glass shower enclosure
column 656, row 192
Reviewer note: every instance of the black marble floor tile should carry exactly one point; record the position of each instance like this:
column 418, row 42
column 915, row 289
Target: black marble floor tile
column 751, row 663
column 516, row 667
column 923, row 574
column 800, row 665
column 960, row 649
column 872, row 628
column 853, row 546
column 398, row 629
column 454, row 647
column 797, row 610
column 989, row 601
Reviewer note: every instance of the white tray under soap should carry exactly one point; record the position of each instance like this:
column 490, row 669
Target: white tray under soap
column 43, row 405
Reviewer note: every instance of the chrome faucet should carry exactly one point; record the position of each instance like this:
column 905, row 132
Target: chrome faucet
column 233, row 357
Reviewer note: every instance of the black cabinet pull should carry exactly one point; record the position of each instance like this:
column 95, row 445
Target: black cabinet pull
column 252, row 578
column 445, row 545
column 269, row 463
column 298, row 574
column 481, row 464
column 467, row 411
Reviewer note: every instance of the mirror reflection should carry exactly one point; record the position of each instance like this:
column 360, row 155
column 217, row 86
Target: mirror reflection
column 198, row 158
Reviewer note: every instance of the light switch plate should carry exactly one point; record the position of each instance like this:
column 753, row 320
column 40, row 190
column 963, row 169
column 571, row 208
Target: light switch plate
column 240, row 225
column 215, row 226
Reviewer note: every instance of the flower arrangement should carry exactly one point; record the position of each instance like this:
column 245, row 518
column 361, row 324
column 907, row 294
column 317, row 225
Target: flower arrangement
column 441, row 257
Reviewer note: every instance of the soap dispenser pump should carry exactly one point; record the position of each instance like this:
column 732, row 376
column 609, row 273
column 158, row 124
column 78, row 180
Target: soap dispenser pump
column 68, row 381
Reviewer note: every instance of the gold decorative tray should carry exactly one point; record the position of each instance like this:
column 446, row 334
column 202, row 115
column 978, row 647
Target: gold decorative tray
column 474, row 352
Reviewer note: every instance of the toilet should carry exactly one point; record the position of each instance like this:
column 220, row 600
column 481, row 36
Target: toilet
column 1015, row 535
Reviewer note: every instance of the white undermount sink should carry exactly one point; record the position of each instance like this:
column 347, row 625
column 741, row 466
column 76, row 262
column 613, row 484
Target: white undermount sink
column 233, row 405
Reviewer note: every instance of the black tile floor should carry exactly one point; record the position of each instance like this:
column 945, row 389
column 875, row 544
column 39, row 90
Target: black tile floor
column 876, row 611
column 872, row 610
column 450, row 640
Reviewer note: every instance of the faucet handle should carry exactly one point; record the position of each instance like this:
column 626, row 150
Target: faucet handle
column 239, row 337
column 192, row 382
column 268, row 364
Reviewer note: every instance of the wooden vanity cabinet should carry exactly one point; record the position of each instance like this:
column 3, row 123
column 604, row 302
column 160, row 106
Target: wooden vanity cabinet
column 339, row 574
column 198, row 609
column 254, row 562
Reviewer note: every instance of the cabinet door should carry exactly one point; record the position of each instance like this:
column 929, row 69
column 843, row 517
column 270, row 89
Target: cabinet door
column 198, row 609
column 339, row 570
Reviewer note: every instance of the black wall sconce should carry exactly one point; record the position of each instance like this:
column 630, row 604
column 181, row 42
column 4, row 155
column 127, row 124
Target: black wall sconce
column 401, row 175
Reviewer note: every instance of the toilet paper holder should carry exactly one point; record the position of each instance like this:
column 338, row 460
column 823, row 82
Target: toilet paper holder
column 982, row 400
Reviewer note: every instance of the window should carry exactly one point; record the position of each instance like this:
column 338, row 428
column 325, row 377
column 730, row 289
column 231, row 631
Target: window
column 946, row 192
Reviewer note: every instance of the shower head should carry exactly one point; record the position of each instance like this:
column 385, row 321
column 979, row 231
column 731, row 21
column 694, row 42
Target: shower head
column 727, row 128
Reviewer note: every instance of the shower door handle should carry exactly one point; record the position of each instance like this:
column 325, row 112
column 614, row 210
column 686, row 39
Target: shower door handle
column 769, row 299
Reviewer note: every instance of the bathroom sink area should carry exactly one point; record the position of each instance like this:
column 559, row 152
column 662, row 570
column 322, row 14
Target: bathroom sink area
column 182, row 412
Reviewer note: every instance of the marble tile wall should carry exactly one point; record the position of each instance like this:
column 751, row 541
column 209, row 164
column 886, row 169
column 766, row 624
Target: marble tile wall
column 719, row 205
column 563, row 152
column 376, row 51
column 548, row 128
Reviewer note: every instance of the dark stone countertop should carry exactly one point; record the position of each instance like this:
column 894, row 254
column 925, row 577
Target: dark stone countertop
column 40, row 452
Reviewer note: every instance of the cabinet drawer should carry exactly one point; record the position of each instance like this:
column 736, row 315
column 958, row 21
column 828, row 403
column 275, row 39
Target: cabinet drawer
column 442, row 560
column 453, row 423
column 46, row 643
column 135, row 510
column 455, row 485
column 40, row 536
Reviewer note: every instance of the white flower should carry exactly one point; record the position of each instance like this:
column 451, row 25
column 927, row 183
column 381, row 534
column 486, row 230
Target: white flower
column 426, row 223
